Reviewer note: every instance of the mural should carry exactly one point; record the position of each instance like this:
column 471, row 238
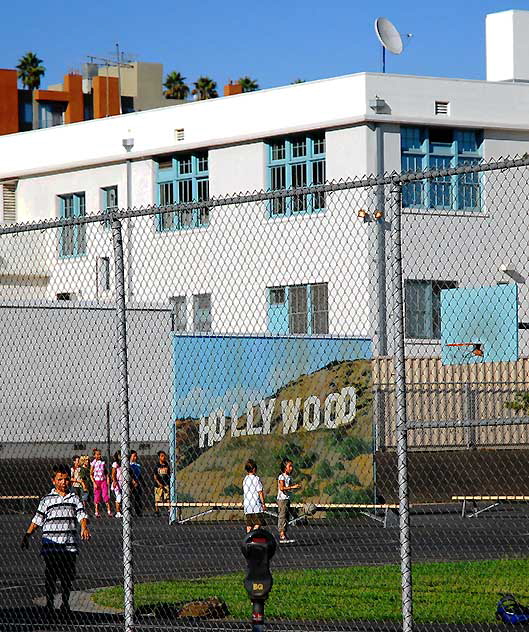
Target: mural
column 240, row 397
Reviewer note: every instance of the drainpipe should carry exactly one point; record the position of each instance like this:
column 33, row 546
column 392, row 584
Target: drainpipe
column 128, row 144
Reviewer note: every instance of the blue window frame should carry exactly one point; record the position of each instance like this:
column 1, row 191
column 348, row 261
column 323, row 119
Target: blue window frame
column 183, row 178
column 298, row 309
column 109, row 201
column 423, row 308
column 297, row 161
column 72, row 239
column 425, row 148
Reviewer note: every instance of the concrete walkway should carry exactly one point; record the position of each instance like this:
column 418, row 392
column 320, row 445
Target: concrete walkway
column 81, row 601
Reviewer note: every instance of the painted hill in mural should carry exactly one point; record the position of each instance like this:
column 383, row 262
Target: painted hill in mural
column 333, row 465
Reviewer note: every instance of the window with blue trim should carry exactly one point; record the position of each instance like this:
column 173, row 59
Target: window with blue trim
column 180, row 179
column 423, row 308
column 297, row 161
column 109, row 201
column 298, row 309
column 424, row 148
column 72, row 239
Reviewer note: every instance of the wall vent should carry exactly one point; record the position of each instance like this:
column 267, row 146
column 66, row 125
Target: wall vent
column 441, row 108
column 9, row 206
column 179, row 134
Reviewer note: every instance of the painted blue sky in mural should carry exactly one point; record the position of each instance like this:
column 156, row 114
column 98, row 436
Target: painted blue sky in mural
column 217, row 372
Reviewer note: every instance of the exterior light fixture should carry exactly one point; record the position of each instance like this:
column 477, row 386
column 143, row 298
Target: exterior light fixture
column 363, row 214
column 128, row 143
column 378, row 214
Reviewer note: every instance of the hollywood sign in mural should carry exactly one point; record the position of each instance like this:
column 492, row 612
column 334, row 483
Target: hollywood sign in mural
column 310, row 414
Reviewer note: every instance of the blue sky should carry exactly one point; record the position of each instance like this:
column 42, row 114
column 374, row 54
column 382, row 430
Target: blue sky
column 274, row 42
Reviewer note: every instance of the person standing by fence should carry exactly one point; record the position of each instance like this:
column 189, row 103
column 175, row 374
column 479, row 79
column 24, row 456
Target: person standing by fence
column 77, row 485
column 254, row 499
column 117, row 482
column 99, row 476
column 135, row 479
column 84, row 475
column 284, row 492
column 161, row 480
column 57, row 514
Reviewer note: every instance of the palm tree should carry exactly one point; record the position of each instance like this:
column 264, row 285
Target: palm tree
column 30, row 71
column 248, row 84
column 205, row 88
column 176, row 86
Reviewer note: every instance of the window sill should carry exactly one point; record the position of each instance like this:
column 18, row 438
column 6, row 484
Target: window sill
column 423, row 341
column 445, row 212
column 298, row 214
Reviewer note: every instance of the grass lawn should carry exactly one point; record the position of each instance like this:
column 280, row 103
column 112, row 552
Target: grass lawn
column 451, row 592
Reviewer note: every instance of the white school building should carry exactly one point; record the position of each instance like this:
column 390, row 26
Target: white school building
column 247, row 268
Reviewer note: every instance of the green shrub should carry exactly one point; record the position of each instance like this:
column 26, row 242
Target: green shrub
column 324, row 470
column 351, row 447
column 232, row 490
column 306, row 460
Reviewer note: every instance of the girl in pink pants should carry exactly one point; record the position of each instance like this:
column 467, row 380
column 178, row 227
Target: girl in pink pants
column 99, row 476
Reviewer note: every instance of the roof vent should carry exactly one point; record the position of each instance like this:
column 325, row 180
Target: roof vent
column 179, row 134
column 441, row 108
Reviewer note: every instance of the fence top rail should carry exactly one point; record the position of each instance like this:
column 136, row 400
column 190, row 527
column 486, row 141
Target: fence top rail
column 446, row 384
column 393, row 178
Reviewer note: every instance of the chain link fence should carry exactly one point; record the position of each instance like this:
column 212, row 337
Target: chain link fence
column 345, row 364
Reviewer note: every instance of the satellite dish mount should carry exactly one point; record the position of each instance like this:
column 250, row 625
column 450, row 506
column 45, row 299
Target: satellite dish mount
column 389, row 37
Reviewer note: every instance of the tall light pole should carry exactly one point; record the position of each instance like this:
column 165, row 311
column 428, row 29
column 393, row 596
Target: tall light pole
column 128, row 144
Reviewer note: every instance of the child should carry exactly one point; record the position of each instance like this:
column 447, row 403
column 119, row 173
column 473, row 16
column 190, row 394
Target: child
column 84, row 475
column 75, row 476
column 117, row 482
column 254, row 500
column 162, row 479
column 57, row 514
column 99, row 477
column 284, row 491
column 135, row 484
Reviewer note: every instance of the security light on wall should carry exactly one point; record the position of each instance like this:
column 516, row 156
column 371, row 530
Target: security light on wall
column 363, row 214
column 378, row 215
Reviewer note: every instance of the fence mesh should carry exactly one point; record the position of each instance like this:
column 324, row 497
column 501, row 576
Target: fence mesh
column 345, row 365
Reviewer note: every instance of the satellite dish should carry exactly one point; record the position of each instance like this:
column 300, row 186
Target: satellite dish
column 389, row 37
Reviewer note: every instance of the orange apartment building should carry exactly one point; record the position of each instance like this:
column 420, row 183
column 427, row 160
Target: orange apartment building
column 84, row 97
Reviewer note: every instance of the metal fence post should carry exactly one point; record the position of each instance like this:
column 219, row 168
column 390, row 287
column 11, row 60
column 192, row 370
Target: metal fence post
column 128, row 576
column 400, row 406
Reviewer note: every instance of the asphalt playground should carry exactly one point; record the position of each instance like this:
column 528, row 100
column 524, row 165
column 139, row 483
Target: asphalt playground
column 199, row 549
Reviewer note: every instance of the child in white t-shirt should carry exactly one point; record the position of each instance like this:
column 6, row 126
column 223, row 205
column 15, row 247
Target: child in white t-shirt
column 254, row 501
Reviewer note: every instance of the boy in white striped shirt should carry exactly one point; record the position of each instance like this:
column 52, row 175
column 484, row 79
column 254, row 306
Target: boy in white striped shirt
column 58, row 513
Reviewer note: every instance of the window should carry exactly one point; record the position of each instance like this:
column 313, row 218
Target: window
column 103, row 273
column 298, row 309
column 181, row 179
column 109, row 201
column 178, row 313
column 423, row 308
column 202, row 312
column 297, row 161
column 72, row 238
column 425, row 148
column 51, row 114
